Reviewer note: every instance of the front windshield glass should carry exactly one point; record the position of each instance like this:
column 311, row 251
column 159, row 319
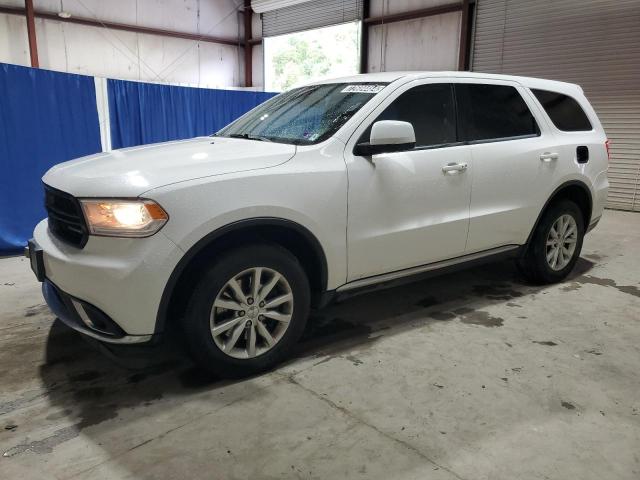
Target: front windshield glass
column 303, row 116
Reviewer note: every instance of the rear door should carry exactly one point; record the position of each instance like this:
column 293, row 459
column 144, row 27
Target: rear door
column 514, row 161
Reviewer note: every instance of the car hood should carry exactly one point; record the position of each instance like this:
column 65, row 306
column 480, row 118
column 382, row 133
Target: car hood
column 132, row 171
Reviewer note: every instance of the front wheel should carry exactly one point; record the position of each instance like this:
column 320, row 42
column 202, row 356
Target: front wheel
column 247, row 311
column 555, row 245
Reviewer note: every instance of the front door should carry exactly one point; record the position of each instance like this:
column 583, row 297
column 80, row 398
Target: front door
column 410, row 208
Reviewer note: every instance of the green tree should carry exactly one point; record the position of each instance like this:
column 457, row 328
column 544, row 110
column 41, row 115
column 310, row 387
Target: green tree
column 301, row 60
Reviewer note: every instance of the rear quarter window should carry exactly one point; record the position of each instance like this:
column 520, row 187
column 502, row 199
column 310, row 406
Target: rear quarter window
column 565, row 112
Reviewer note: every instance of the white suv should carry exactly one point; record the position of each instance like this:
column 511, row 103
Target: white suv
column 321, row 191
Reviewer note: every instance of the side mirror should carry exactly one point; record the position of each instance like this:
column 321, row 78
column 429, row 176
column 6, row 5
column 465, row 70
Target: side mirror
column 387, row 136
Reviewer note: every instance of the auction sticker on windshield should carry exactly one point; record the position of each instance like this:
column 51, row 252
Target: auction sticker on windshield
column 362, row 89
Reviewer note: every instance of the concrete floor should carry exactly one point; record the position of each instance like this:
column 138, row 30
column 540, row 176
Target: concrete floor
column 472, row 375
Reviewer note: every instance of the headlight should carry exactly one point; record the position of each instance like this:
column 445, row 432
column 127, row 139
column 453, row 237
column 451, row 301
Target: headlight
column 123, row 218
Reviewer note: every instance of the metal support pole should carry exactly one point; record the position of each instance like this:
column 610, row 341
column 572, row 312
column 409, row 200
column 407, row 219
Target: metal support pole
column 364, row 38
column 31, row 31
column 464, row 40
column 248, row 46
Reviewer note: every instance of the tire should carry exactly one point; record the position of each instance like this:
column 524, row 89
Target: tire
column 230, row 352
column 534, row 264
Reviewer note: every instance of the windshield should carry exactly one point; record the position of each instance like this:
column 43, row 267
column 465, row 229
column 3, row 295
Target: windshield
column 303, row 116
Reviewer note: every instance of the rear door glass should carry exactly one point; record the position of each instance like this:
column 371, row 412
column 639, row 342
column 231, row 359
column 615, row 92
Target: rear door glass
column 493, row 112
column 564, row 111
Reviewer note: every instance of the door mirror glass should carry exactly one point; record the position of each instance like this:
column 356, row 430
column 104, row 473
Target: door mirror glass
column 387, row 136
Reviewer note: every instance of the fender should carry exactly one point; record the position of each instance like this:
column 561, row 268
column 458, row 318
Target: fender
column 564, row 185
column 163, row 308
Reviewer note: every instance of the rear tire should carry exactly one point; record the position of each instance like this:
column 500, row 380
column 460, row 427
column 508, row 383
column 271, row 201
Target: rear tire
column 555, row 245
column 247, row 311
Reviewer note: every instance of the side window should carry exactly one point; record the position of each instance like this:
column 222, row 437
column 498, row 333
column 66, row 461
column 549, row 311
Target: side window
column 564, row 111
column 492, row 112
column 429, row 108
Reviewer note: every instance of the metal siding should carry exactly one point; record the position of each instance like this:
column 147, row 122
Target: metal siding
column 310, row 15
column 594, row 43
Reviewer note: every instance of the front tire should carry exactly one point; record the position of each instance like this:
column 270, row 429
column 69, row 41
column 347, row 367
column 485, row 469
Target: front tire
column 556, row 244
column 247, row 311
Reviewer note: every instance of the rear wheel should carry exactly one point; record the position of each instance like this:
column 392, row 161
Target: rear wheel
column 247, row 311
column 555, row 245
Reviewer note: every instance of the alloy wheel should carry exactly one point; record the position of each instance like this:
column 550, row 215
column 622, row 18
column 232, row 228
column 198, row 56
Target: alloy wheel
column 561, row 242
column 251, row 313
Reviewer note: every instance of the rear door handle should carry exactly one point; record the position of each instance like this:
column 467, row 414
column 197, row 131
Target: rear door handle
column 548, row 156
column 454, row 167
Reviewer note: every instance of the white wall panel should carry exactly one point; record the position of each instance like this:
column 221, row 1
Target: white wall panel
column 14, row 45
column 118, row 54
column 13, row 3
column 220, row 66
column 258, row 66
column 88, row 51
column 180, row 15
column 429, row 43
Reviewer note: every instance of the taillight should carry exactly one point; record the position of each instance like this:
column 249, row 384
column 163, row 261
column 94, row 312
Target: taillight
column 607, row 145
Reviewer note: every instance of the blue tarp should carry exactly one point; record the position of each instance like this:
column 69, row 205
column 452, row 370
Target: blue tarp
column 143, row 113
column 45, row 118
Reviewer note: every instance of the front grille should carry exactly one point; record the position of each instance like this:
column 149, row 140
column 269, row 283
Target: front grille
column 66, row 220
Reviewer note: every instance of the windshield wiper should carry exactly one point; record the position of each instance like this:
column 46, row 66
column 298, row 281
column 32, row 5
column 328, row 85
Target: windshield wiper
column 247, row 136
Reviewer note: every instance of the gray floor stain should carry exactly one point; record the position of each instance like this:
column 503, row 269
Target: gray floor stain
column 428, row 302
column 568, row 405
column 356, row 361
column 59, row 414
column 608, row 282
column 25, row 399
column 326, row 336
column 34, row 310
column 482, row 318
column 442, row 315
column 571, row 287
column 629, row 289
column 463, row 310
column 497, row 292
column 47, row 444
column 547, row 343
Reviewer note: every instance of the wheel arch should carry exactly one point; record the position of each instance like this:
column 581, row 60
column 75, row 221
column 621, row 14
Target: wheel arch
column 574, row 190
column 296, row 238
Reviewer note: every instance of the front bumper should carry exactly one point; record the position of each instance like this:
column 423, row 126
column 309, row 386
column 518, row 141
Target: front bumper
column 121, row 278
column 85, row 318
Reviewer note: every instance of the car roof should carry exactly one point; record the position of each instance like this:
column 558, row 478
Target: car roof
column 389, row 77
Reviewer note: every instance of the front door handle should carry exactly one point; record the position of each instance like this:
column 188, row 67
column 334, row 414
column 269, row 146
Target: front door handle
column 548, row 156
column 454, row 167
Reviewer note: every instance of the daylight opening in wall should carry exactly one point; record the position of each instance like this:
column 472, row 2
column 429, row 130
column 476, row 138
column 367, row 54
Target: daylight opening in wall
column 297, row 58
